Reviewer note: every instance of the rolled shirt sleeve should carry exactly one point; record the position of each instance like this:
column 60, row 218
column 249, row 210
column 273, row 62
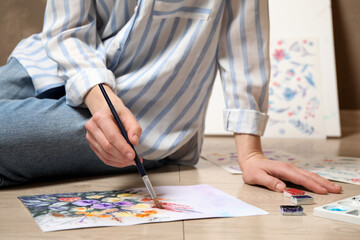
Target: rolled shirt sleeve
column 71, row 39
column 244, row 65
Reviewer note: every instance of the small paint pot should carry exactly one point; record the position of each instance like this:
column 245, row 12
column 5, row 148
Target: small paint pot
column 291, row 210
column 302, row 199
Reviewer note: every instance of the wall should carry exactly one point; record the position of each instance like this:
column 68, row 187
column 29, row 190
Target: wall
column 18, row 19
column 346, row 18
column 21, row 18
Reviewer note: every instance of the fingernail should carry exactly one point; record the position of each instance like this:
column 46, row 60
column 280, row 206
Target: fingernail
column 279, row 187
column 129, row 156
column 338, row 187
column 136, row 139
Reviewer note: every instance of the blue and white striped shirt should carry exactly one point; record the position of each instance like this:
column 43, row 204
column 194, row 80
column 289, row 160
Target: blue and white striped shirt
column 161, row 58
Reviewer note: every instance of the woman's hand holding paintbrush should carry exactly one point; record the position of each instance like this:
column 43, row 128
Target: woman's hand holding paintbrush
column 104, row 137
column 103, row 134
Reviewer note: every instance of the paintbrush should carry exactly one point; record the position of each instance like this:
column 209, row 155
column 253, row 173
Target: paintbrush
column 139, row 165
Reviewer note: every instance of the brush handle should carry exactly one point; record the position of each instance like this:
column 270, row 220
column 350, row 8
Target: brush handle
column 122, row 130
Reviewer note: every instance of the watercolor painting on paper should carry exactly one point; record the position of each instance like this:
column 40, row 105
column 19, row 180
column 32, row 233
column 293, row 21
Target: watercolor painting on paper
column 341, row 169
column 295, row 102
column 229, row 162
column 337, row 168
column 62, row 211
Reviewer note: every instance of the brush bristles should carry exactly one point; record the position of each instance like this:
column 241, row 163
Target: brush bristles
column 158, row 204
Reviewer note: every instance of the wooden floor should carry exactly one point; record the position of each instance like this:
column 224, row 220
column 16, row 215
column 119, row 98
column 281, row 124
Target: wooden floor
column 17, row 223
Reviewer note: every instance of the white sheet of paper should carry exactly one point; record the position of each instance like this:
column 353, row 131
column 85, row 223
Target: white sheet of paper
column 133, row 206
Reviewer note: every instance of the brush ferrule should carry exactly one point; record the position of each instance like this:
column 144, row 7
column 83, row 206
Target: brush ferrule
column 151, row 190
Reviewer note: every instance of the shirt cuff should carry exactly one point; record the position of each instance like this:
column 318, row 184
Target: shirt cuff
column 245, row 121
column 79, row 85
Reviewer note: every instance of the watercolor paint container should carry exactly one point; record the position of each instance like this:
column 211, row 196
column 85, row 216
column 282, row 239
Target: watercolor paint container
column 291, row 210
column 302, row 200
column 293, row 192
column 346, row 210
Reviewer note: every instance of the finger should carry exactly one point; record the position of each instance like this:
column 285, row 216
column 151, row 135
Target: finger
column 263, row 178
column 330, row 186
column 131, row 125
column 121, row 164
column 272, row 183
column 120, row 161
column 118, row 164
column 96, row 146
column 114, row 142
column 100, row 142
column 293, row 174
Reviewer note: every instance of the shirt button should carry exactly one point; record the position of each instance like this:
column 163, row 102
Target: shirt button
column 117, row 45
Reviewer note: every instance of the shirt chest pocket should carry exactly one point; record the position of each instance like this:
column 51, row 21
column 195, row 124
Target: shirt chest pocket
column 194, row 9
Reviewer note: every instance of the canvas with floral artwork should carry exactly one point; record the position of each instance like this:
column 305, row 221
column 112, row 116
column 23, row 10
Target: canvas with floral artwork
column 295, row 91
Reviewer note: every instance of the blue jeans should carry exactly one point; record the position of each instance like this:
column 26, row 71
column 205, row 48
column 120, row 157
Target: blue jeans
column 43, row 139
